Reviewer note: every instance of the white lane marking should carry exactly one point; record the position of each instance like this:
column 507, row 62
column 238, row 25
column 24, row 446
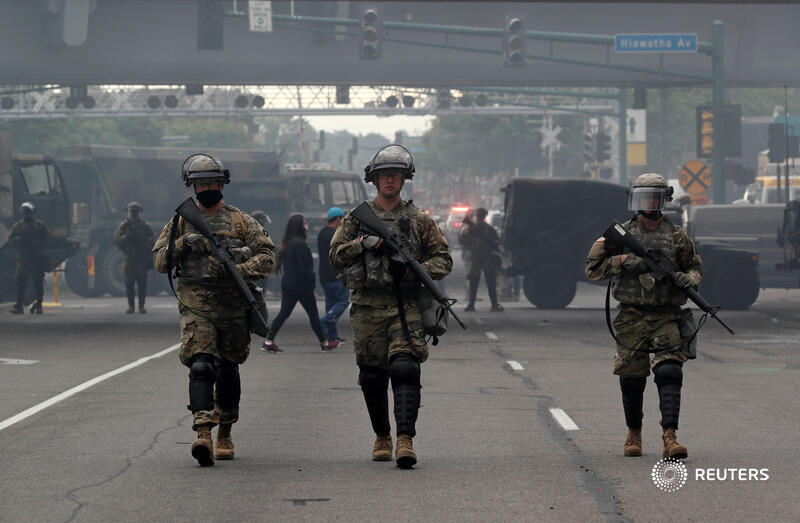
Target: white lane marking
column 563, row 419
column 478, row 321
column 83, row 386
column 14, row 361
column 491, row 336
column 515, row 365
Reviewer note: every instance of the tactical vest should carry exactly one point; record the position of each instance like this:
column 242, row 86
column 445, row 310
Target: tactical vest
column 226, row 222
column 373, row 269
column 643, row 289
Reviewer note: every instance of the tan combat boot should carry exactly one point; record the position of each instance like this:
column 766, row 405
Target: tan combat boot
column 201, row 448
column 224, row 442
column 633, row 443
column 406, row 457
column 673, row 449
column 382, row 451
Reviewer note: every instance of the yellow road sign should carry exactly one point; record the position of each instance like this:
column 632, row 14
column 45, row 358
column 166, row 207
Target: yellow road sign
column 637, row 154
column 695, row 177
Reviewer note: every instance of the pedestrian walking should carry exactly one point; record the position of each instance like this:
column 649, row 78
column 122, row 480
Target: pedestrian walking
column 297, row 282
column 337, row 296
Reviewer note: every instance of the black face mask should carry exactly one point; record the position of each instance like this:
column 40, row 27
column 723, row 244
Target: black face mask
column 209, row 198
column 651, row 215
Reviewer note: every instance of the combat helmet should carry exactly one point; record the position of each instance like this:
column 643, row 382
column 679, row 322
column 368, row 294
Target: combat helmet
column 135, row 206
column 204, row 166
column 393, row 156
column 649, row 192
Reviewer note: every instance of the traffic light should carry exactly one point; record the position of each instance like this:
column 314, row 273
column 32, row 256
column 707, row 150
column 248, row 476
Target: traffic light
column 514, row 44
column 210, row 24
column 776, row 142
column 343, row 94
column 370, row 44
column 640, row 98
column 398, row 137
column 321, row 141
column 444, row 99
column 603, row 149
column 588, row 148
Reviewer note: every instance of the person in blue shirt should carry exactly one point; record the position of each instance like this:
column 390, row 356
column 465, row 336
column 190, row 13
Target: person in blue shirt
column 337, row 296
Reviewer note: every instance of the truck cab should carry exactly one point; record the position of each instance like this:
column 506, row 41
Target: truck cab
column 36, row 179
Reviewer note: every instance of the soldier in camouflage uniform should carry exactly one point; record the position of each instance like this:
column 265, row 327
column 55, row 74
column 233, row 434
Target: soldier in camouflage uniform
column 215, row 338
column 649, row 310
column 29, row 236
column 481, row 244
column 385, row 347
column 134, row 237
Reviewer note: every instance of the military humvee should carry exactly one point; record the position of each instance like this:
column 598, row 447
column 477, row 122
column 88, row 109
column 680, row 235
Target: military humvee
column 550, row 224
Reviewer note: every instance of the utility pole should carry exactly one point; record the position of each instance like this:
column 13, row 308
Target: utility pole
column 718, row 98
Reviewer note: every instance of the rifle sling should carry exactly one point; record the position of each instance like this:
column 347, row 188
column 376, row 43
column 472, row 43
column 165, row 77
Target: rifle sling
column 398, row 292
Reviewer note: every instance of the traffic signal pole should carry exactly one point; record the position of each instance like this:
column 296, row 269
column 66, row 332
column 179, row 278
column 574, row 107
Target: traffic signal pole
column 718, row 98
column 622, row 136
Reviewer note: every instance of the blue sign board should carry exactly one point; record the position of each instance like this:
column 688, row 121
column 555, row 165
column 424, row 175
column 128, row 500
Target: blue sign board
column 655, row 43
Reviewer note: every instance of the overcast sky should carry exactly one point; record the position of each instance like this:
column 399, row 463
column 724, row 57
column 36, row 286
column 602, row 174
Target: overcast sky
column 387, row 126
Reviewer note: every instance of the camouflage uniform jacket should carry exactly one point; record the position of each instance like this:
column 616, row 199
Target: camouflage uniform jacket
column 346, row 253
column 135, row 239
column 482, row 244
column 30, row 239
column 201, row 285
column 674, row 244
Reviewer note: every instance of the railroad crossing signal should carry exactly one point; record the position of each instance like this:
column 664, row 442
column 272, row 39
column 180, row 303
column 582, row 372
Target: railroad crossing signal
column 695, row 177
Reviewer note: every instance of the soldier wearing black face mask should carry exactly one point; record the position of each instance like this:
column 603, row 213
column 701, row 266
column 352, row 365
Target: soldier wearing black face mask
column 215, row 337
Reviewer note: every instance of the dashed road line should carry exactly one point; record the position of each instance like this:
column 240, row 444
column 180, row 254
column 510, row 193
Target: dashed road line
column 563, row 419
column 17, row 361
column 515, row 365
column 83, row 386
column 491, row 335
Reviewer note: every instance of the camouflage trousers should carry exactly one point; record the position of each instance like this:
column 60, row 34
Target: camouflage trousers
column 378, row 334
column 644, row 330
column 224, row 340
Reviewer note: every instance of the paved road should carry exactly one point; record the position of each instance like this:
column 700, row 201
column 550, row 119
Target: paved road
column 490, row 447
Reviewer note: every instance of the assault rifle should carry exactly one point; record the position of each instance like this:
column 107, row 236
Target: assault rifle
column 661, row 268
column 188, row 211
column 364, row 214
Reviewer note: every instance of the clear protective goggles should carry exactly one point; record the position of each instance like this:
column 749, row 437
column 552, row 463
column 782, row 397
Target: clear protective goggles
column 647, row 198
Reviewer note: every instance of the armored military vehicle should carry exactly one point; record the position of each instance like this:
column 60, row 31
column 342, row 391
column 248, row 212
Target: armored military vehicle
column 35, row 179
column 550, row 224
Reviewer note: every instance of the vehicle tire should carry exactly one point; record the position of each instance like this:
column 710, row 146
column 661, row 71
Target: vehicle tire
column 734, row 286
column 76, row 273
column 110, row 271
column 550, row 286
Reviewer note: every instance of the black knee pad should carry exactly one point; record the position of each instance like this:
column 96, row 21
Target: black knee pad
column 668, row 373
column 229, row 385
column 373, row 379
column 201, row 383
column 404, row 370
